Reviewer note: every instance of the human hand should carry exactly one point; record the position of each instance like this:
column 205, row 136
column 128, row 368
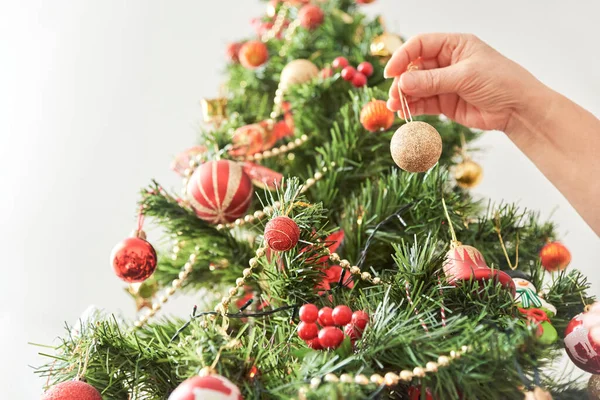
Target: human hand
column 460, row 76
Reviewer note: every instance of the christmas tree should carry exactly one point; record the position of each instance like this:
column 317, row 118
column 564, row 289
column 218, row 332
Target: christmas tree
column 326, row 270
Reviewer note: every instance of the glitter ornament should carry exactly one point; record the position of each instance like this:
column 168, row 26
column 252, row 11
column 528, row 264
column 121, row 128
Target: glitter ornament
column 253, row 54
column 297, row 72
column 308, row 330
column 593, row 387
column 72, row 390
column 375, row 116
column 468, row 174
column 555, row 256
column 416, row 146
column 219, row 191
column 581, row 348
column 133, row 259
column 311, row 16
column 211, row 387
column 385, row 45
column 281, row 233
column 331, row 337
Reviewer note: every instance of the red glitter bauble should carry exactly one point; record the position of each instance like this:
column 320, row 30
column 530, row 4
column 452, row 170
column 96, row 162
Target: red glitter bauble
column 213, row 387
column 308, row 330
column 220, row 191
column 72, row 390
column 359, row 80
column 342, row 315
column 133, row 259
column 581, row 348
column 375, row 116
column 331, row 337
column 253, row 54
column 555, row 256
column 311, row 16
column 282, row 233
column 308, row 313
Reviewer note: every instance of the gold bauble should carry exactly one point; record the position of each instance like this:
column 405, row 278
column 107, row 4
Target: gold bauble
column 416, row 146
column 385, row 44
column 214, row 110
column 468, row 174
column 594, row 387
column 296, row 72
column 538, row 394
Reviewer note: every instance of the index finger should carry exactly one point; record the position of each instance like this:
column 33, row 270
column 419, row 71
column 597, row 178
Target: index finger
column 428, row 45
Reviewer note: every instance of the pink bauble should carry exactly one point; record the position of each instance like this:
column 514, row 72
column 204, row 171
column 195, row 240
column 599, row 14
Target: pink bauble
column 211, row 387
column 220, row 191
column 583, row 351
column 72, row 390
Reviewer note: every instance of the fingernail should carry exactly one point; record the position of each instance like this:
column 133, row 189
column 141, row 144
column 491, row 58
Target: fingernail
column 385, row 74
column 408, row 81
column 389, row 105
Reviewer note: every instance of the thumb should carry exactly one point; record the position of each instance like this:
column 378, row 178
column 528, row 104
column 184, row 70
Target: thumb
column 430, row 82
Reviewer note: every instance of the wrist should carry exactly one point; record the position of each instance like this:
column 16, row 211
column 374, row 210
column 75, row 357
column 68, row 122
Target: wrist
column 537, row 106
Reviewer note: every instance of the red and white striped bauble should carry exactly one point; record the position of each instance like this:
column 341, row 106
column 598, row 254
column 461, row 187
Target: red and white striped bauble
column 220, row 191
column 211, row 387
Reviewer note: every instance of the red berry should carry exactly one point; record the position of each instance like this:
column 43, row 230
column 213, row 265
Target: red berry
column 325, row 318
column 360, row 320
column 308, row 330
column 339, row 62
column 359, row 79
column 314, row 344
column 326, row 72
column 308, row 313
column 348, row 73
column 342, row 315
column 352, row 332
column 331, row 337
column 366, row 68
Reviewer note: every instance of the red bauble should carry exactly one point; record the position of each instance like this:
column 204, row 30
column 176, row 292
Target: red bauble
column 555, row 256
column 360, row 319
column 253, row 54
column 581, row 348
column 348, row 73
column 464, row 263
column 325, row 317
column 366, row 68
column 339, row 62
column 342, row 315
column 359, row 80
column 308, row 313
column 72, row 390
column 375, row 116
column 262, row 177
column 251, row 139
column 311, row 16
column 211, row 387
column 314, row 344
column 331, row 337
column 133, row 259
column 233, row 50
column 281, row 233
column 308, row 330
column 220, row 191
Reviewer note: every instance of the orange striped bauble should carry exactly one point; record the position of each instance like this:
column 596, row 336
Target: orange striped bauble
column 253, row 54
column 220, row 191
column 375, row 116
column 282, row 233
column 555, row 256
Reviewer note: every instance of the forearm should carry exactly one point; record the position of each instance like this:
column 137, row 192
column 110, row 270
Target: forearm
column 563, row 141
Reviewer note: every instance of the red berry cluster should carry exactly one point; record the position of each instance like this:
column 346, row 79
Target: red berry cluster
column 358, row 76
column 330, row 336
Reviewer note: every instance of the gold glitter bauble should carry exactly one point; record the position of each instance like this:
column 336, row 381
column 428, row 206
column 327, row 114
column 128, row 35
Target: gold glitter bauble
column 385, row 44
column 594, row 387
column 468, row 174
column 416, row 146
column 538, row 394
column 297, row 71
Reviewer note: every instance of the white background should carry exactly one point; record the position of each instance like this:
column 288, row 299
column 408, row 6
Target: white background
column 97, row 96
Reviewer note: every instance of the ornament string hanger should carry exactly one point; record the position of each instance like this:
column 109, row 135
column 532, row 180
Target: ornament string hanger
column 499, row 232
column 406, row 114
column 454, row 243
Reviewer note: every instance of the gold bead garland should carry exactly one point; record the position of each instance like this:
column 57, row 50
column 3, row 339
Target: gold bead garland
column 277, row 25
column 354, row 270
column 289, row 33
column 284, row 148
column 176, row 284
column 260, row 214
column 390, row 378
